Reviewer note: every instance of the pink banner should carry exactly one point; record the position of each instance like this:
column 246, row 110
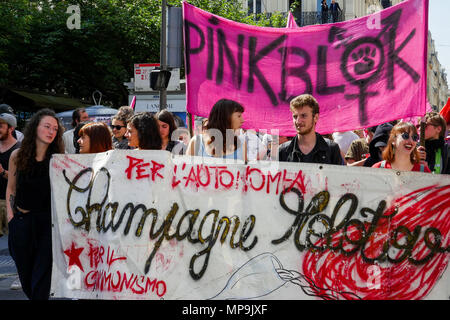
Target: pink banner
column 363, row 72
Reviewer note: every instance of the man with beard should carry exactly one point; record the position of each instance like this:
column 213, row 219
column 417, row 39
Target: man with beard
column 308, row 145
column 8, row 144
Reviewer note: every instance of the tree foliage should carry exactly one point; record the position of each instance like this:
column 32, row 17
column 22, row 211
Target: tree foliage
column 39, row 51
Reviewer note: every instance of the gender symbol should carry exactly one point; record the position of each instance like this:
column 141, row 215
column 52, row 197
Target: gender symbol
column 361, row 63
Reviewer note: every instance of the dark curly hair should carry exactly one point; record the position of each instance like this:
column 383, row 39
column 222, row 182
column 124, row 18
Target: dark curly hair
column 27, row 152
column 124, row 114
column 147, row 127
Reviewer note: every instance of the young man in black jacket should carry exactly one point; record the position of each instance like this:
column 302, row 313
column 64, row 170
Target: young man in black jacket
column 308, row 145
column 437, row 150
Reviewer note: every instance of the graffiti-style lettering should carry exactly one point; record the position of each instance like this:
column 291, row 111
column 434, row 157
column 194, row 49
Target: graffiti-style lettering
column 307, row 222
column 108, row 210
column 340, row 65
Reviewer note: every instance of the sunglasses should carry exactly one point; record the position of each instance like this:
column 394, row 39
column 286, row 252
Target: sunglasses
column 117, row 127
column 405, row 136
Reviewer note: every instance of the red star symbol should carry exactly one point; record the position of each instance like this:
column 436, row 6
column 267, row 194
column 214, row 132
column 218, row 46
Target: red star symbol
column 74, row 256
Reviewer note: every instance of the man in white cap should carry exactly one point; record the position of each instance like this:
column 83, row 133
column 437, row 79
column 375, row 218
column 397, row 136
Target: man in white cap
column 8, row 144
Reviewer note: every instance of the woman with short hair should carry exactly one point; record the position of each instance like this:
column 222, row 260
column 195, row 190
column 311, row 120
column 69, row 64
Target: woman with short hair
column 119, row 127
column 95, row 137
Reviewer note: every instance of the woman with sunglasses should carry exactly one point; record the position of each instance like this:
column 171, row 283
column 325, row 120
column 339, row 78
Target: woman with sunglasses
column 401, row 150
column 119, row 128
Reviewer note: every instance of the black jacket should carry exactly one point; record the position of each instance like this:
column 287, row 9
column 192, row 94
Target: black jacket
column 325, row 151
column 334, row 8
column 431, row 146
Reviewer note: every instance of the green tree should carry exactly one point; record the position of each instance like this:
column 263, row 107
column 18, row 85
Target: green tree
column 39, row 51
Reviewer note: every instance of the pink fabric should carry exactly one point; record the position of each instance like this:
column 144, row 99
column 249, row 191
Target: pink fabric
column 291, row 21
column 363, row 72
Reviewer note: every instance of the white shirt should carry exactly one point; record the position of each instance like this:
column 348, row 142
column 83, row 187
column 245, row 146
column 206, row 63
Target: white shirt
column 255, row 146
column 68, row 141
column 344, row 139
column 19, row 135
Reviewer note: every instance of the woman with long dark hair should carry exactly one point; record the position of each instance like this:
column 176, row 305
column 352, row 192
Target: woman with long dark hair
column 220, row 137
column 167, row 126
column 29, row 203
column 143, row 132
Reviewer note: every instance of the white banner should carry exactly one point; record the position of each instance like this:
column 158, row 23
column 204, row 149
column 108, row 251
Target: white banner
column 146, row 225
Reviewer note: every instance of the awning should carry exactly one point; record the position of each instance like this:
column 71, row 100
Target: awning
column 48, row 101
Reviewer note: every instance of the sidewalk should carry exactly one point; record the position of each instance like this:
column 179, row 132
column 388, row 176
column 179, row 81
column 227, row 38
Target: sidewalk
column 8, row 274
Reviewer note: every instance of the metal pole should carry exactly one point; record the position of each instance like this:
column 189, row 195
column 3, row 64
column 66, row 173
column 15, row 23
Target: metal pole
column 163, row 92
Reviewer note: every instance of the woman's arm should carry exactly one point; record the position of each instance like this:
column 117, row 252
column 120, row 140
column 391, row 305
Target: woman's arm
column 11, row 187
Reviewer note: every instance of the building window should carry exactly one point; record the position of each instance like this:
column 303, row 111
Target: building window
column 251, row 4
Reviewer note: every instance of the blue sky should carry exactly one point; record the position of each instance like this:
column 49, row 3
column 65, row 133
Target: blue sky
column 439, row 25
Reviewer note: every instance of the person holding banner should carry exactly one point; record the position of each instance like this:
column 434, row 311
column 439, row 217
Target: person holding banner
column 29, row 203
column 95, row 137
column 143, row 132
column 308, row 146
column 167, row 126
column 220, row 137
column 438, row 152
column 401, row 150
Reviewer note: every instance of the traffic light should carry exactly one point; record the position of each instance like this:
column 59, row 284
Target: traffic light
column 159, row 79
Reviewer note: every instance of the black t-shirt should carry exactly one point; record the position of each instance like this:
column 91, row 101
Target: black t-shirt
column 4, row 161
column 33, row 187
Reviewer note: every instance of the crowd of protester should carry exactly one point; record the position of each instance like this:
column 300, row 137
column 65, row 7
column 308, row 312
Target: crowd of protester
column 25, row 158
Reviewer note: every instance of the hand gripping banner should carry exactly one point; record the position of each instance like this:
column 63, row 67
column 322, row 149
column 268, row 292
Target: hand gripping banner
column 363, row 72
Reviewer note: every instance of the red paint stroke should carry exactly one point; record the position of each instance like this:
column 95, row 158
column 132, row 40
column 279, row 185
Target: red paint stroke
column 418, row 211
